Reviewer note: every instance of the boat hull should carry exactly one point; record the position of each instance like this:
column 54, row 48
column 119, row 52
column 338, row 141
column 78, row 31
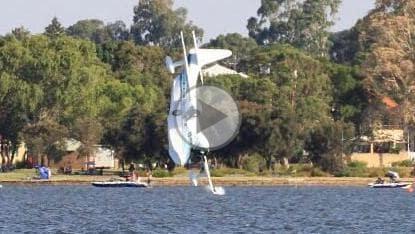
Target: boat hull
column 390, row 185
column 120, row 184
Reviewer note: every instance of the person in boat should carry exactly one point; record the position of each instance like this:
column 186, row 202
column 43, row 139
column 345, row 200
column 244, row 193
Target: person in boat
column 379, row 181
column 393, row 176
column 131, row 175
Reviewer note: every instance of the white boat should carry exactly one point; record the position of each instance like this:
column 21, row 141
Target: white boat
column 120, row 184
column 390, row 185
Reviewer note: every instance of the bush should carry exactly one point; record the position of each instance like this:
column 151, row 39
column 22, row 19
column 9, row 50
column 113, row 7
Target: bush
column 254, row 163
column 179, row 171
column 302, row 170
column 21, row 165
column 317, row 172
column 377, row 172
column 357, row 164
column 395, row 150
column 405, row 163
column 224, row 171
column 354, row 169
column 160, row 173
column 403, row 172
column 284, row 171
column 217, row 173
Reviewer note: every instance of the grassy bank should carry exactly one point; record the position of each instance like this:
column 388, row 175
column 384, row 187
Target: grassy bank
column 296, row 175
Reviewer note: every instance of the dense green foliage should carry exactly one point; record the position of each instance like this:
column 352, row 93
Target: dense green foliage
column 106, row 83
column 303, row 24
column 156, row 23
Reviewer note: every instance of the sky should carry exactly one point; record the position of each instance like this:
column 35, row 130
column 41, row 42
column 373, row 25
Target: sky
column 230, row 17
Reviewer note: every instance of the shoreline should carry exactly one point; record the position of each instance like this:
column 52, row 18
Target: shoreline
column 220, row 181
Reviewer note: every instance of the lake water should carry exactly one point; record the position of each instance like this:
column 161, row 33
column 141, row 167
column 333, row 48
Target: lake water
column 75, row 209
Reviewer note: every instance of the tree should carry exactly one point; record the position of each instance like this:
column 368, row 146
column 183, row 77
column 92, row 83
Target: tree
column 387, row 52
column 88, row 131
column 20, row 33
column 295, row 93
column 45, row 139
column 240, row 46
column 96, row 31
column 254, row 97
column 156, row 23
column 143, row 136
column 303, row 24
column 118, row 31
column 91, row 29
column 345, row 46
column 54, row 29
column 46, row 85
column 350, row 98
column 327, row 146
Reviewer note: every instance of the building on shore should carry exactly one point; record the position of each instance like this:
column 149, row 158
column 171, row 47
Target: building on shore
column 9, row 156
column 103, row 157
column 387, row 146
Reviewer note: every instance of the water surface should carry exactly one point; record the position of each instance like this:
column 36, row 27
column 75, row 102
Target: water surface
column 76, row 209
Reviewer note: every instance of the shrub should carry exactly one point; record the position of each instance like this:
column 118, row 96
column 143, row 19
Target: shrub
column 299, row 170
column 405, row 163
column 403, row 172
column 217, row 173
column 21, row 165
column 395, row 150
column 224, row 171
column 357, row 164
column 377, row 172
column 160, row 173
column 354, row 169
column 303, row 169
column 179, row 171
column 317, row 172
column 284, row 171
column 253, row 163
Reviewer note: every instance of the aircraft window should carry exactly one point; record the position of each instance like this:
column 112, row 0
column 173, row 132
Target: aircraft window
column 177, row 112
column 191, row 58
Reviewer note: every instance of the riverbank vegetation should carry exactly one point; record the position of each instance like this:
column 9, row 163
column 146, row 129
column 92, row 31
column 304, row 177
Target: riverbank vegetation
column 310, row 93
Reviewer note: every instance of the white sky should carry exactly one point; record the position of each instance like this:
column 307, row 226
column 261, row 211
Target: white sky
column 214, row 16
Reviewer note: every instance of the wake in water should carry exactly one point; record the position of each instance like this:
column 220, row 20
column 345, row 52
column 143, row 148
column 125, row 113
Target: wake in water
column 217, row 190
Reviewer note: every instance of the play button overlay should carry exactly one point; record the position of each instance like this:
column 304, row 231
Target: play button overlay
column 208, row 116
column 211, row 123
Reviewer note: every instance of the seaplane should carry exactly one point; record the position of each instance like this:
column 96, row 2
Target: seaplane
column 183, row 119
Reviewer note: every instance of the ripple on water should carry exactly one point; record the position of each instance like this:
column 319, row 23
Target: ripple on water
column 69, row 209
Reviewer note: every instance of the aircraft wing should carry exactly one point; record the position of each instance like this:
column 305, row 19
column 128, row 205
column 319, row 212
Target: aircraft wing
column 208, row 56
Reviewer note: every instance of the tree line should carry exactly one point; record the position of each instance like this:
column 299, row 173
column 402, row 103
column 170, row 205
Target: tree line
column 309, row 89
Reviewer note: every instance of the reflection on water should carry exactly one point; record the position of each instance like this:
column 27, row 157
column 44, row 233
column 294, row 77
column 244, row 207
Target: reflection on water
column 69, row 209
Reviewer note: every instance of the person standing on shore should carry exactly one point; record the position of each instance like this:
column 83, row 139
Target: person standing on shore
column 149, row 176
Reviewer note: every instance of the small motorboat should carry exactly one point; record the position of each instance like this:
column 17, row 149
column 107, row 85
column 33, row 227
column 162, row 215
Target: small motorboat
column 394, row 182
column 391, row 185
column 120, row 184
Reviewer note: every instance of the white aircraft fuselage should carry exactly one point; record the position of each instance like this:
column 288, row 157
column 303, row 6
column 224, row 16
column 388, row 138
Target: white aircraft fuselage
column 183, row 114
